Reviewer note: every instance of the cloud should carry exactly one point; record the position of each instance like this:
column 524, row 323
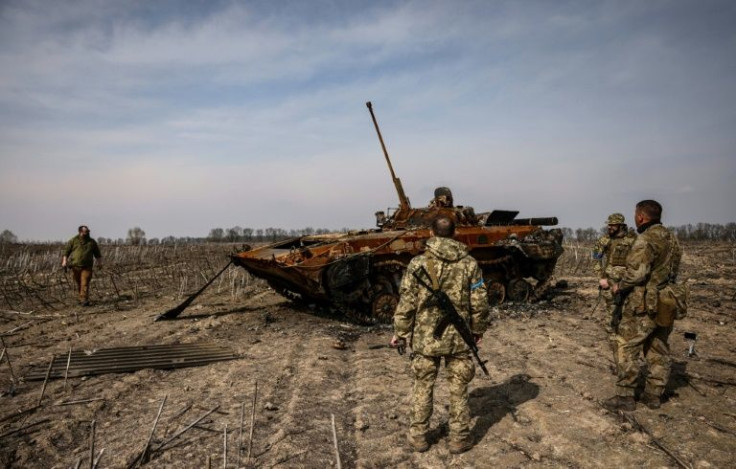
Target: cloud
column 186, row 111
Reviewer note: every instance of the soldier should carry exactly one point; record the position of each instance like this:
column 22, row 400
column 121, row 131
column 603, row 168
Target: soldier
column 652, row 263
column 609, row 254
column 442, row 198
column 81, row 254
column 451, row 269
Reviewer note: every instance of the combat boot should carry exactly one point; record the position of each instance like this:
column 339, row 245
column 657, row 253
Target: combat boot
column 652, row 401
column 616, row 403
column 418, row 443
column 460, row 446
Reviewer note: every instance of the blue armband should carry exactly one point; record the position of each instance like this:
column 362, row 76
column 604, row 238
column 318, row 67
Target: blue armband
column 476, row 285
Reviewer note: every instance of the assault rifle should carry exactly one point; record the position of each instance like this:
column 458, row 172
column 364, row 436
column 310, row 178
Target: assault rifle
column 451, row 316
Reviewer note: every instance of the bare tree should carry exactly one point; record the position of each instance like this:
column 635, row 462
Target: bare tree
column 234, row 234
column 136, row 236
column 8, row 236
column 216, row 235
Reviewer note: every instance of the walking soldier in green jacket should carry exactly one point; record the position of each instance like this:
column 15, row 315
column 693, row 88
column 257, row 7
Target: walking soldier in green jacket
column 447, row 266
column 81, row 254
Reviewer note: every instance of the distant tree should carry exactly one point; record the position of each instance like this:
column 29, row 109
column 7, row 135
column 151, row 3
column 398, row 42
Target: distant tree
column 153, row 242
column 136, row 236
column 587, row 234
column 7, row 236
column 247, row 234
column 216, row 235
column 259, row 234
column 234, row 234
column 168, row 240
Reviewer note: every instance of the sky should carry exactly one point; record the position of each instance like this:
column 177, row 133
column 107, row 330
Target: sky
column 183, row 116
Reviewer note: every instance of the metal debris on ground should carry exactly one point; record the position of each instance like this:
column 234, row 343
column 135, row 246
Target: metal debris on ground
column 129, row 359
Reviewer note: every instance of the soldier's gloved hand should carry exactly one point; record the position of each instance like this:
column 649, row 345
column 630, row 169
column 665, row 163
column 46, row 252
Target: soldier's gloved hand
column 604, row 283
column 477, row 338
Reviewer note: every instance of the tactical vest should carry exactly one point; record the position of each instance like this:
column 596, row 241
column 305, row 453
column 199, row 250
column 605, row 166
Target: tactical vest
column 619, row 249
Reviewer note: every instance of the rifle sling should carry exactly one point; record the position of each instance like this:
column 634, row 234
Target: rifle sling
column 446, row 319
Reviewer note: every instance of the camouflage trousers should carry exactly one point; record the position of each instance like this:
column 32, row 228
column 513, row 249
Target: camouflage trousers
column 612, row 337
column 460, row 371
column 639, row 334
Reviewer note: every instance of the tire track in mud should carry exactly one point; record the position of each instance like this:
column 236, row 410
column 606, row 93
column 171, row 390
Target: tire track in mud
column 381, row 388
column 308, row 389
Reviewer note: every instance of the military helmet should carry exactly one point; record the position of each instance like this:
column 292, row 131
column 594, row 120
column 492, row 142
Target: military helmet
column 443, row 191
column 615, row 219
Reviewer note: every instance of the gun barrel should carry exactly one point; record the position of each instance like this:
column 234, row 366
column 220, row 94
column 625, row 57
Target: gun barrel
column 540, row 221
column 403, row 200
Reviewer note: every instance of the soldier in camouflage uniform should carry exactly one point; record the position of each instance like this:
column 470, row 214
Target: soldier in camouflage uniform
column 442, row 198
column 652, row 263
column 609, row 256
column 451, row 269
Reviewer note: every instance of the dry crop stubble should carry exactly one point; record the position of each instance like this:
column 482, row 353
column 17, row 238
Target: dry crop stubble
column 549, row 365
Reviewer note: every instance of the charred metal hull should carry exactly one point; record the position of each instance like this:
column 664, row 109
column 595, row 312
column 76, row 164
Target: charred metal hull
column 362, row 270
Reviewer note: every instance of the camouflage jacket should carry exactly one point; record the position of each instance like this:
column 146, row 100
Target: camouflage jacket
column 81, row 252
column 609, row 255
column 653, row 261
column 460, row 278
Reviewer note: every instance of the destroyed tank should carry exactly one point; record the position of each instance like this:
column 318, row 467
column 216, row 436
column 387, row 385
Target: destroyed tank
column 360, row 271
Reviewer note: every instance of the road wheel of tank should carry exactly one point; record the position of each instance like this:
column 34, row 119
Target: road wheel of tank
column 383, row 307
column 496, row 292
column 518, row 290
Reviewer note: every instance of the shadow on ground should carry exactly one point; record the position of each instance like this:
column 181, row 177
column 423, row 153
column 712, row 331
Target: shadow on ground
column 491, row 404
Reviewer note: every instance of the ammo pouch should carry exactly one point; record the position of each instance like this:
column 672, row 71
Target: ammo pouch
column 671, row 303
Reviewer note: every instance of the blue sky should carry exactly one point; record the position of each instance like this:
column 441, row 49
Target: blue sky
column 179, row 117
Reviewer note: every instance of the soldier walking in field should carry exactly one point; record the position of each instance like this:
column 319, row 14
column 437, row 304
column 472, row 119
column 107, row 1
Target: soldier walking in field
column 446, row 266
column 609, row 256
column 652, row 264
column 81, row 254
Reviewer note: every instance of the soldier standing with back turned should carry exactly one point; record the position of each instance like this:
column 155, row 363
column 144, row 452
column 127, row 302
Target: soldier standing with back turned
column 651, row 265
column 609, row 255
column 447, row 266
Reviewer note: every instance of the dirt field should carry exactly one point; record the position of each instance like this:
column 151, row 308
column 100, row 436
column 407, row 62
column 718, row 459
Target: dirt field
column 549, row 363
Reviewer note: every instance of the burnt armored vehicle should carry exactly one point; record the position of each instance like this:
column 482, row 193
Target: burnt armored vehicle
column 362, row 270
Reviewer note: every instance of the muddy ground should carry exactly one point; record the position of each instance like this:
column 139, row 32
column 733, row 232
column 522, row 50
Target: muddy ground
column 549, row 363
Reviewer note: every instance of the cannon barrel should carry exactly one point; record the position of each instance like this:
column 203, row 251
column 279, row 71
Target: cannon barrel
column 541, row 221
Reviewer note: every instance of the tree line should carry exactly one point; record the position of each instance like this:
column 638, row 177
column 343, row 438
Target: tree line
column 689, row 232
column 137, row 236
column 236, row 234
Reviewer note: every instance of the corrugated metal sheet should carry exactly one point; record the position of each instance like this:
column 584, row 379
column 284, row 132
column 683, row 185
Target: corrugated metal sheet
column 129, row 359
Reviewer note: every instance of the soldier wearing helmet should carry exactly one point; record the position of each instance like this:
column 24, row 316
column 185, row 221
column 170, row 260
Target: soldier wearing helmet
column 442, row 198
column 609, row 263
